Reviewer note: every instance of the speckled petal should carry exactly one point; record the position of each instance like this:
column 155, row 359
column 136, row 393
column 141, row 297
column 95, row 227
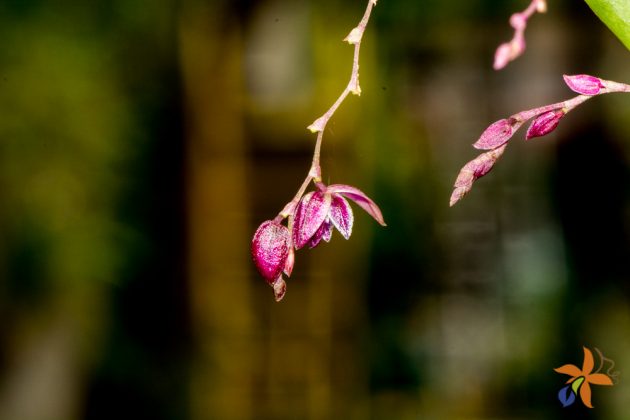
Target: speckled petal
column 341, row 215
column 360, row 198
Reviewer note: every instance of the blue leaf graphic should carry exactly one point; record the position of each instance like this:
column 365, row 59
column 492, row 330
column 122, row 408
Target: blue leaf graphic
column 566, row 396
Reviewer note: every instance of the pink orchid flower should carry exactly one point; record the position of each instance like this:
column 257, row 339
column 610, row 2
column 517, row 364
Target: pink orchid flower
column 319, row 211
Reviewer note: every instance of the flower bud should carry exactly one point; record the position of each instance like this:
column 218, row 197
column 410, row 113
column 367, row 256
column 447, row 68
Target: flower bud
column 473, row 170
column 544, row 123
column 270, row 249
column 497, row 134
column 584, row 84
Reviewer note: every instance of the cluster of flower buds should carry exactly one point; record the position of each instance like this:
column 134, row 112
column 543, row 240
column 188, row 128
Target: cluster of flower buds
column 314, row 218
column 512, row 49
column 545, row 119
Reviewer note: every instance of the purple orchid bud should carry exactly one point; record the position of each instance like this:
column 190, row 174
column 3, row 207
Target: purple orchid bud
column 360, row 198
column 474, row 170
column 309, row 216
column 544, row 123
column 341, row 215
column 270, row 249
column 584, row 84
column 497, row 134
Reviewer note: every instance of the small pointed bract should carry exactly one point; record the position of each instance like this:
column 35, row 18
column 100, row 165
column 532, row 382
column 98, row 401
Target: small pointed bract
column 360, row 198
column 497, row 134
column 279, row 288
column 270, row 249
column 544, row 123
column 584, row 84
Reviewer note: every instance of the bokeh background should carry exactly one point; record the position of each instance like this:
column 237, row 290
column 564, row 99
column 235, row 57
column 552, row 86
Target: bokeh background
column 141, row 144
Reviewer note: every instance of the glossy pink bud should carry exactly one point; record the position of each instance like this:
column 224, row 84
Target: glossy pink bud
column 584, row 84
column 270, row 249
column 544, row 123
column 497, row 134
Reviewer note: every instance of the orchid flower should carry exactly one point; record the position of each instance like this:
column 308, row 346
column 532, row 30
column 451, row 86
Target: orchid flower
column 320, row 210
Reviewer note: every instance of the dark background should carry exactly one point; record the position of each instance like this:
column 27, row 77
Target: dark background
column 142, row 143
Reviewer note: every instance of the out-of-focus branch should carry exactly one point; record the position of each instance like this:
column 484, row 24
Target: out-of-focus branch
column 509, row 51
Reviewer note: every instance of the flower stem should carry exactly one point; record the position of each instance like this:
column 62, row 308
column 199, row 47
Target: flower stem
column 319, row 125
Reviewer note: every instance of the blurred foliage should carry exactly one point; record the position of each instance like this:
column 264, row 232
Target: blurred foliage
column 616, row 15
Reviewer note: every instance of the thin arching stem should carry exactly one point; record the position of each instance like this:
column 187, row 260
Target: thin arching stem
column 319, row 125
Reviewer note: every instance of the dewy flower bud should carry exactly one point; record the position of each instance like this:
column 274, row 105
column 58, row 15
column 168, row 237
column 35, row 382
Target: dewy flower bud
column 584, row 84
column 544, row 123
column 270, row 250
column 497, row 134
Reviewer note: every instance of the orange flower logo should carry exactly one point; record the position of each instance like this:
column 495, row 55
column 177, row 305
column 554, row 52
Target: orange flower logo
column 582, row 379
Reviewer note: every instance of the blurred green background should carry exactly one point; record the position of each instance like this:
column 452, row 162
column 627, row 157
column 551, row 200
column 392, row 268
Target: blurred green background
column 142, row 143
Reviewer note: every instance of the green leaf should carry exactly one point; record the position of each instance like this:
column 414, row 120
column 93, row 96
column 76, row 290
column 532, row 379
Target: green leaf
column 616, row 15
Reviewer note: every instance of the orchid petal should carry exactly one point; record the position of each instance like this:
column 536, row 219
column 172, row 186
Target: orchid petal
column 570, row 370
column 587, row 366
column 309, row 216
column 599, row 379
column 324, row 232
column 341, row 215
column 270, row 249
column 360, row 198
